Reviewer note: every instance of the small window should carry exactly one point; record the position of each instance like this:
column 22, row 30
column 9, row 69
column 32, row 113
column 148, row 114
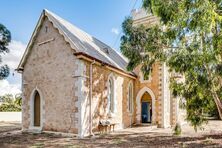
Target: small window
column 130, row 98
column 143, row 80
column 111, row 95
column 46, row 29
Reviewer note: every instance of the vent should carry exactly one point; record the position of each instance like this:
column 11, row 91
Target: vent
column 46, row 29
column 106, row 50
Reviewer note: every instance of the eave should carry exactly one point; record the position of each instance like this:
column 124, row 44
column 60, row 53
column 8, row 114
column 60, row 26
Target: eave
column 81, row 55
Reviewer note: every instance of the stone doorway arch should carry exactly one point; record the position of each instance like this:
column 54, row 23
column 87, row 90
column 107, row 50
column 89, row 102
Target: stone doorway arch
column 36, row 110
column 138, row 104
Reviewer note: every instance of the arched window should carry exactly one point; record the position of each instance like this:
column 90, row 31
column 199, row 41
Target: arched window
column 143, row 80
column 37, row 110
column 111, row 95
column 130, row 98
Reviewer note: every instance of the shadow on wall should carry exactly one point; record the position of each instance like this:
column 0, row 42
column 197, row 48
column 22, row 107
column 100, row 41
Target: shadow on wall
column 100, row 76
column 99, row 100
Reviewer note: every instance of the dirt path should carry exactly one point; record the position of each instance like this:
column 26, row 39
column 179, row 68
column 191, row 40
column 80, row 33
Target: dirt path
column 133, row 137
column 9, row 126
column 120, row 140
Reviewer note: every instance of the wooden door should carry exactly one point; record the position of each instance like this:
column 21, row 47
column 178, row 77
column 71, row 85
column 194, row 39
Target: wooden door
column 37, row 110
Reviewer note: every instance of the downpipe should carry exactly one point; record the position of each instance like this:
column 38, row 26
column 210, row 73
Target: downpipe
column 90, row 99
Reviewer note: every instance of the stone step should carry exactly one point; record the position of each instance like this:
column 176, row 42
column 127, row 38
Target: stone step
column 34, row 131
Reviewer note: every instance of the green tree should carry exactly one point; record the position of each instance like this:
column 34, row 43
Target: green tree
column 10, row 103
column 189, row 39
column 5, row 38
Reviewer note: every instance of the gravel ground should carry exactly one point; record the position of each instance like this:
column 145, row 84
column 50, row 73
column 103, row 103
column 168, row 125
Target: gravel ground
column 9, row 126
column 131, row 137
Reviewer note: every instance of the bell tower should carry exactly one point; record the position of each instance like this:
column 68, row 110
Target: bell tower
column 160, row 76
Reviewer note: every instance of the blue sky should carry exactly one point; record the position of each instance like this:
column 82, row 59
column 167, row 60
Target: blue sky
column 100, row 18
column 97, row 17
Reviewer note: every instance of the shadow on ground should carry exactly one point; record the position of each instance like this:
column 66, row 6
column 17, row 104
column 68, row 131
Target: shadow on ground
column 121, row 140
column 11, row 136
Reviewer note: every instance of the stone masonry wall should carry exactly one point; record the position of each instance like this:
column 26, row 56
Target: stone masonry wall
column 50, row 68
column 99, row 100
column 63, row 82
column 155, row 84
column 122, row 115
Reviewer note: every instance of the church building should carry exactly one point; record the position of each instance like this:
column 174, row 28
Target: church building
column 71, row 81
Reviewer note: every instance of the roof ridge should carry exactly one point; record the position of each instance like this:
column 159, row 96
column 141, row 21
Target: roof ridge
column 67, row 22
column 79, row 29
column 82, row 42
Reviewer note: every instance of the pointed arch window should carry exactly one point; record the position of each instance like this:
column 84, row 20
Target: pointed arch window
column 111, row 105
column 130, row 98
column 37, row 109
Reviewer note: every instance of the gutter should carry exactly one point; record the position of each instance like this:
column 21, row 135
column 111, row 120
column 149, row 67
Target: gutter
column 89, row 58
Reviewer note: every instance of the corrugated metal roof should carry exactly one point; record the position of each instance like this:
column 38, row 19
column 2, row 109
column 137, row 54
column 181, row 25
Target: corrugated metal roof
column 85, row 43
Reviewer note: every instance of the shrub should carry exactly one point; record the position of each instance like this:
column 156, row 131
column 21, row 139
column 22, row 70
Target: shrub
column 177, row 129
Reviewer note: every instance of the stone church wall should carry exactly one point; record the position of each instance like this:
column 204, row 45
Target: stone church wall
column 50, row 69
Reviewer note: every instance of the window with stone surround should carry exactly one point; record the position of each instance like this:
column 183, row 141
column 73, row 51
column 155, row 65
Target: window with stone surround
column 111, row 95
column 130, row 97
column 142, row 80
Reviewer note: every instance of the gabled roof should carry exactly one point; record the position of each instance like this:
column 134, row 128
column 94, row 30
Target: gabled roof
column 81, row 42
column 142, row 17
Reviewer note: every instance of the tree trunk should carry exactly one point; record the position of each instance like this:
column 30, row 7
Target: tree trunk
column 214, row 94
column 218, row 104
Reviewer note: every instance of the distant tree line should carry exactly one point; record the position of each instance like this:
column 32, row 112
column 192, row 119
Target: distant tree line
column 10, row 103
column 5, row 39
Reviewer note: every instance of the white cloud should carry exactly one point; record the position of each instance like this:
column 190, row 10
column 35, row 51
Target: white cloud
column 12, row 58
column 12, row 84
column 115, row 31
column 7, row 88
